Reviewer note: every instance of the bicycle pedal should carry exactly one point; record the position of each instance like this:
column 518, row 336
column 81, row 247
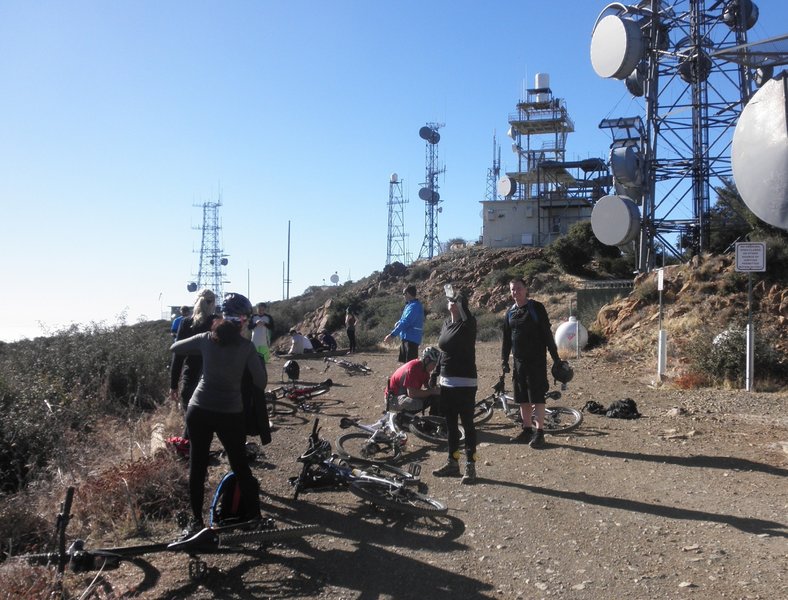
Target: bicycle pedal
column 414, row 469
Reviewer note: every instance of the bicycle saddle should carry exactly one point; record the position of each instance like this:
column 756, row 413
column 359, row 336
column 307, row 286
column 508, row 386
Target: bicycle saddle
column 346, row 422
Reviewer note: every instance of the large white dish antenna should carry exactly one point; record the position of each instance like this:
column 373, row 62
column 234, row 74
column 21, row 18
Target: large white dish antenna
column 394, row 178
column 616, row 47
column 760, row 153
column 507, row 186
column 627, row 166
column 615, row 220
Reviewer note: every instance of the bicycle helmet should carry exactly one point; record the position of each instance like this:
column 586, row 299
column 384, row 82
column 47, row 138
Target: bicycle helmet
column 317, row 453
column 292, row 370
column 236, row 305
column 562, row 372
column 430, row 354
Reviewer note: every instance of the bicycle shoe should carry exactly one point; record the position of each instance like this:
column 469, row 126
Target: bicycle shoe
column 523, row 437
column 537, row 441
column 469, row 477
column 450, row 469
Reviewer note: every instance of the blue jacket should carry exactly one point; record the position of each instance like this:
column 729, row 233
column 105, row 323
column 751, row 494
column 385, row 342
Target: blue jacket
column 410, row 326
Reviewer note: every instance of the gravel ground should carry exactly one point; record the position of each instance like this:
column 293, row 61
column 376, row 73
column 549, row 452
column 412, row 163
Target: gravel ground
column 689, row 500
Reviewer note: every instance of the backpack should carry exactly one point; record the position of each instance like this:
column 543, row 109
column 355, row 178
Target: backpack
column 623, row 409
column 531, row 311
column 227, row 506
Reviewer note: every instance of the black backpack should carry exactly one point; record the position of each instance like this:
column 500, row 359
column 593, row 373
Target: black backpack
column 227, row 506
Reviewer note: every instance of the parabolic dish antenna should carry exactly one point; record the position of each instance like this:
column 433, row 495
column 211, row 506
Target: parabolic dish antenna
column 334, row 279
column 394, row 178
column 191, row 287
column 429, row 134
column 616, row 47
column 615, row 220
column 507, row 186
column 626, row 165
column 759, row 153
column 425, row 194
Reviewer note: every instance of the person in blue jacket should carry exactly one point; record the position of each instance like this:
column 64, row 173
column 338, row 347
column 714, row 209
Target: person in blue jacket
column 410, row 326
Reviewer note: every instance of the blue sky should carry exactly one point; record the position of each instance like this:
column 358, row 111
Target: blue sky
column 119, row 117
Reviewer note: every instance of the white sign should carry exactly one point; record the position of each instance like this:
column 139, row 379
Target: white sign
column 751, row 256
column 660, row 279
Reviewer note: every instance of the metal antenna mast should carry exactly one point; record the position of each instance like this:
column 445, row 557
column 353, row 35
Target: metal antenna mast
column 429, row 193
column 395, row 245
column 494, row 172
column 693, row 99
column 212, row 258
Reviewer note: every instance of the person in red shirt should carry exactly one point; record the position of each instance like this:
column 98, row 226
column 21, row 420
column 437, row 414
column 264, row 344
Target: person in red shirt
column 408, row 387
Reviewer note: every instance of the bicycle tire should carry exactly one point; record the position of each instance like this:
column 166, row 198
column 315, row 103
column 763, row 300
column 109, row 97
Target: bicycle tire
column 432, row 429
column 278, row 407
column 561, row 419
column 398, row 498
column 303, row 396
column 359, row 445
column 483, row 410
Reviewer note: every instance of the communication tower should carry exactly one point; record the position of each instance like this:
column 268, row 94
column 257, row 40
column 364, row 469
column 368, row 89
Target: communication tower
column 213, row 260
column 396, row 240
column 674, row 56
column 494, row 172
column 429, row 192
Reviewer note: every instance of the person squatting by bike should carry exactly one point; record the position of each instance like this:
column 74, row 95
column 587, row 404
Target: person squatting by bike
column 186, row 369
column 408, row 387
column 216, row 407
column 410, row 327
column 457, row 377
column 527, row 337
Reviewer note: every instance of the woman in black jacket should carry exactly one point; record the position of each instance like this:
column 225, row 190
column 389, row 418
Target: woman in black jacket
column 457, row 378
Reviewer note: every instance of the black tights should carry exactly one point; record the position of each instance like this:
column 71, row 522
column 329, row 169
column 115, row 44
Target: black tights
column 231, row 431
column 459, row 402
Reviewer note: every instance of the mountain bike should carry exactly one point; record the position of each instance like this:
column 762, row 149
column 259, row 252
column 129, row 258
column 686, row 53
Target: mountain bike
column 383, row 485
column 230, row 538
column 557, row 419
column 384, row 440
column 351, row 368
column 299, row 397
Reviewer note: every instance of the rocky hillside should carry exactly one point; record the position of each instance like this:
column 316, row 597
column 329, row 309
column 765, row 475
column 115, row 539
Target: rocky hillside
column 703, row 297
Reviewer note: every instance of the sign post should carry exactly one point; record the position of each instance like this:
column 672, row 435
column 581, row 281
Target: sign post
column 750, row 258
column 662, row 340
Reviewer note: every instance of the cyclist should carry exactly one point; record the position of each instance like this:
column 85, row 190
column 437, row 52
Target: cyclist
column 527, row 336
column 458, row 384
column 410, row 326
column 216, row 407
column 408, row 387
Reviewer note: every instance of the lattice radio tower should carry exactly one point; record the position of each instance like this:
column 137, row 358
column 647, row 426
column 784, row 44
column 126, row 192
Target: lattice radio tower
column 671, row 54
column 213, row 260
column 494, row 172
column 429, row 192
column 396, row 241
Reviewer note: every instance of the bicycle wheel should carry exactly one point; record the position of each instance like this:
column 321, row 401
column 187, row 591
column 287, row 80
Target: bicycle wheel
column 360, row 445
column 397, row 497
column 483, row 410
column 278, row 407
column 560, row 419
column 304, row 396
column 432, row 429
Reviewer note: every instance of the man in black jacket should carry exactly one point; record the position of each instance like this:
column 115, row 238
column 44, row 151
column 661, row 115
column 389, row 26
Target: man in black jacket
column 527, row 336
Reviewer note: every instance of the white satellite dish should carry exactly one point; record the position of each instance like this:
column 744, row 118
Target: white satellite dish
column 627, row 166
column 759, row 153
column 394, row 178
column 507, row 186
column 615, row 220
column 616, row 47
column 334, row 279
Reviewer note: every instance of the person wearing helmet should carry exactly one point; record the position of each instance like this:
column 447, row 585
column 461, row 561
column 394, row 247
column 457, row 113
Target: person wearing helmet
column 408, row 387
column 410, row 326
column 185, row 370
column 457, row 378
column 527, row 337
column 216, row 407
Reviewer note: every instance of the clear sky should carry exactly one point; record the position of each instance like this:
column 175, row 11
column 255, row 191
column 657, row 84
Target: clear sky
column 119, row 118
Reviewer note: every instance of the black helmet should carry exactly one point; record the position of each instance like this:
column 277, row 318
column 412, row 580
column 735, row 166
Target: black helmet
column 562, row 371
column 292, row 370
column 430, row 354
column 236, row 305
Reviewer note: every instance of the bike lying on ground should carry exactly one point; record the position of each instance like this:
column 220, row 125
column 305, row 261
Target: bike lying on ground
column 351, row 368
column 557, row 419
column 299, row 397
column 383, row 485
column 384, row 440
column 230, row 538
